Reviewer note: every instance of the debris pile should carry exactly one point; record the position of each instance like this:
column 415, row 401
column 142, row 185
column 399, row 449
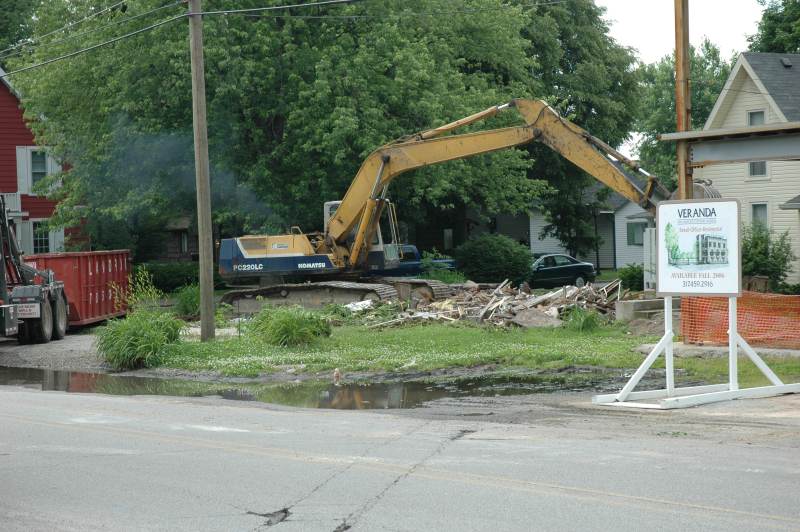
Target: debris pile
column 505, row 305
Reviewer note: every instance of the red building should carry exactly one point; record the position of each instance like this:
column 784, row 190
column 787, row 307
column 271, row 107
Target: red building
column 22, row 165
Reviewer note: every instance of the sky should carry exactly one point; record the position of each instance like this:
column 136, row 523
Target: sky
column 649, row 25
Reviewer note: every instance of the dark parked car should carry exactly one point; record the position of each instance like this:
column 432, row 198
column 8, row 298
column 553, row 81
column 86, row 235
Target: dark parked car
column 560, row 270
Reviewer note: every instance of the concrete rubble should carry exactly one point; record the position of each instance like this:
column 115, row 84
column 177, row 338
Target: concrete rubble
column 505, row 305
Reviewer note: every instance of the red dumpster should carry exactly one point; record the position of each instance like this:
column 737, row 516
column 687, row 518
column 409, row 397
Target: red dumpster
column 88, row 277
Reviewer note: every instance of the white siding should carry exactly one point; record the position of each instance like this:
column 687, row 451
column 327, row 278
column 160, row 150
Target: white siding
column 746, row 98
column 783, row 177
column 544, row 245
column 627, row 254
column 782, row 184
column 549, row 244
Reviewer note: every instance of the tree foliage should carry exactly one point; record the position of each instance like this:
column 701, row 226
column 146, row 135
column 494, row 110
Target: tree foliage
column 708, row 74
column 766, row 253
column 593, row 82
column 296, row 100
column 14, row 25
column 779, row 28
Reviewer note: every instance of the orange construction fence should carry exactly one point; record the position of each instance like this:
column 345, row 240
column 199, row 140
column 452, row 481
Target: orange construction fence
column 768, row 320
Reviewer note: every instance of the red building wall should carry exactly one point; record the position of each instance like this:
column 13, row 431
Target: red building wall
column 14, row 132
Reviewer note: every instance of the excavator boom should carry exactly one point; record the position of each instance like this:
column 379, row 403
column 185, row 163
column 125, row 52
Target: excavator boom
column 362, row 202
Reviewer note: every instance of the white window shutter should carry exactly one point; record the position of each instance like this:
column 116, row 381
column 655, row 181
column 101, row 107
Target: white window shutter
column 23, row 169
column 57, row 241
column 52, row 165
column 25, row 237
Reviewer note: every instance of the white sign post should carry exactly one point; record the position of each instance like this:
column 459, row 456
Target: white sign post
column 699, row 254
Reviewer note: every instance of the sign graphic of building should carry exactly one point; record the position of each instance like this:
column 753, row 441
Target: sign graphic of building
column 711, row 249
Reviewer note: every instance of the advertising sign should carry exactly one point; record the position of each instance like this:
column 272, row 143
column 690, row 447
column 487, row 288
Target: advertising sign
column 698, row 248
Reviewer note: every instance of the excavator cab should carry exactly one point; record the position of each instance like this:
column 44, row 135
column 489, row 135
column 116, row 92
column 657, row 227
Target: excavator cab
column 381, row 255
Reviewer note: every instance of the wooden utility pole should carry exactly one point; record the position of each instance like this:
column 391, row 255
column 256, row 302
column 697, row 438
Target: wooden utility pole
column 201, row 168
column 683, row 96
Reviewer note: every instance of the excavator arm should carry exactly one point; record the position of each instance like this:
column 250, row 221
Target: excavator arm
column 363, row 203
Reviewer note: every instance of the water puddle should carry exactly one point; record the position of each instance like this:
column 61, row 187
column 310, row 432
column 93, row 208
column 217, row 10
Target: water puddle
column 310, row 394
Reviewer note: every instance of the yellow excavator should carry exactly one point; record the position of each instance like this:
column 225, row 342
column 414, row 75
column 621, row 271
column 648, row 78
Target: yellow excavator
column 351, row 246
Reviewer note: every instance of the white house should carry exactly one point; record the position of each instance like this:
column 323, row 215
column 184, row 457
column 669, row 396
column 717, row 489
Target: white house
column 763, row 88
column 620, row 224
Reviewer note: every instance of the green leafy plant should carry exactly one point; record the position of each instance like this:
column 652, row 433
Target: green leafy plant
column 187, row 302
column 137, row 340
column 632, row 276
column 288, row 326
column 170, row 276
column 582, row 320
column 765, row 253
column 140, row 293
column 437, row 271
column 222, row 314
column 493, row 258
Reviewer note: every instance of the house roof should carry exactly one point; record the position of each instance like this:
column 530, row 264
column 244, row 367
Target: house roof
column 792, row 204
column 7, row 83
column 780, row 80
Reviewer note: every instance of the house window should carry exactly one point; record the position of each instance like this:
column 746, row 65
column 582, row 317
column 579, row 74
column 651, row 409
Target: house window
column 757, row 169
column 755, row 118
column 38, row 167
column 184, row 243
column 760, row 214
column 41, row 237
column 636, row 234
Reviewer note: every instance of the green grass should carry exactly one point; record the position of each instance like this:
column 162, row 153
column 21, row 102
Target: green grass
column 433, row 346
column 414, row 348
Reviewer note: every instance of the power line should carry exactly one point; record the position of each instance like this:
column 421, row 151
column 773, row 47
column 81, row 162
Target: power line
column 94, row 47
column 399, row 14
column 66, row 27
column 275, row 8
column 93, row 30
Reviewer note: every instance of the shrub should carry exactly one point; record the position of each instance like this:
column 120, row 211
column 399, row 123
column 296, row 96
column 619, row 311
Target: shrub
column 221, row 315
column 632, row 276
column 169, row 276
column 137, row 340
column 141, row 292
column 493, row 258
column 582, row 320
column 764, row 253
column 288, row 326
column 187, row 302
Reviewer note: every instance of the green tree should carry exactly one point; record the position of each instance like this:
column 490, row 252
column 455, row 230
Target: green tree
column 779, row 28
column 294, row 103
column 14, row 25
column 671, row 240
column 591, row 80
column 766, row 253
column 708, row 74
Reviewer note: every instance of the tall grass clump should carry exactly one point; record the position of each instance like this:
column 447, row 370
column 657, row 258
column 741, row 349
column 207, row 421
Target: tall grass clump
column 288, row 326
column 137, row 340
column 582, row 320
column 187, row 302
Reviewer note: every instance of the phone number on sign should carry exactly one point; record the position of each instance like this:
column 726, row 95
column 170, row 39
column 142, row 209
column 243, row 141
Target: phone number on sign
column 698, row 284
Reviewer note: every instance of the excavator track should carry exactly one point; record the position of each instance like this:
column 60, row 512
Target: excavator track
column 311, row 295
column 411, row 288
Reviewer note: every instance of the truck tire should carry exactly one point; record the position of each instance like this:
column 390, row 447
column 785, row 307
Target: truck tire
column 42, row 328
column 59, row 317
column 23, row 333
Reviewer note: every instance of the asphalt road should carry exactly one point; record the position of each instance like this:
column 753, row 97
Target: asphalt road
column 92, row 462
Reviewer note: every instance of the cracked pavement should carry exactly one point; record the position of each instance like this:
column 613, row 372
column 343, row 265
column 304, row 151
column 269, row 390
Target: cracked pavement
column 547, row 462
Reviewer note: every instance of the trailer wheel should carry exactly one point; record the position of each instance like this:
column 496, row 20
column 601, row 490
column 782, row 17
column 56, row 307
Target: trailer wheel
column 42, row 328
column 59, row 317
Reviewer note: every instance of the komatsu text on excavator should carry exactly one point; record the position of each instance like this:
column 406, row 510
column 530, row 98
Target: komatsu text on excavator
column 351, row 245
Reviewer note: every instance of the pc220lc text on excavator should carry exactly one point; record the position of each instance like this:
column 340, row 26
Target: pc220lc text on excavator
column 341, row 258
